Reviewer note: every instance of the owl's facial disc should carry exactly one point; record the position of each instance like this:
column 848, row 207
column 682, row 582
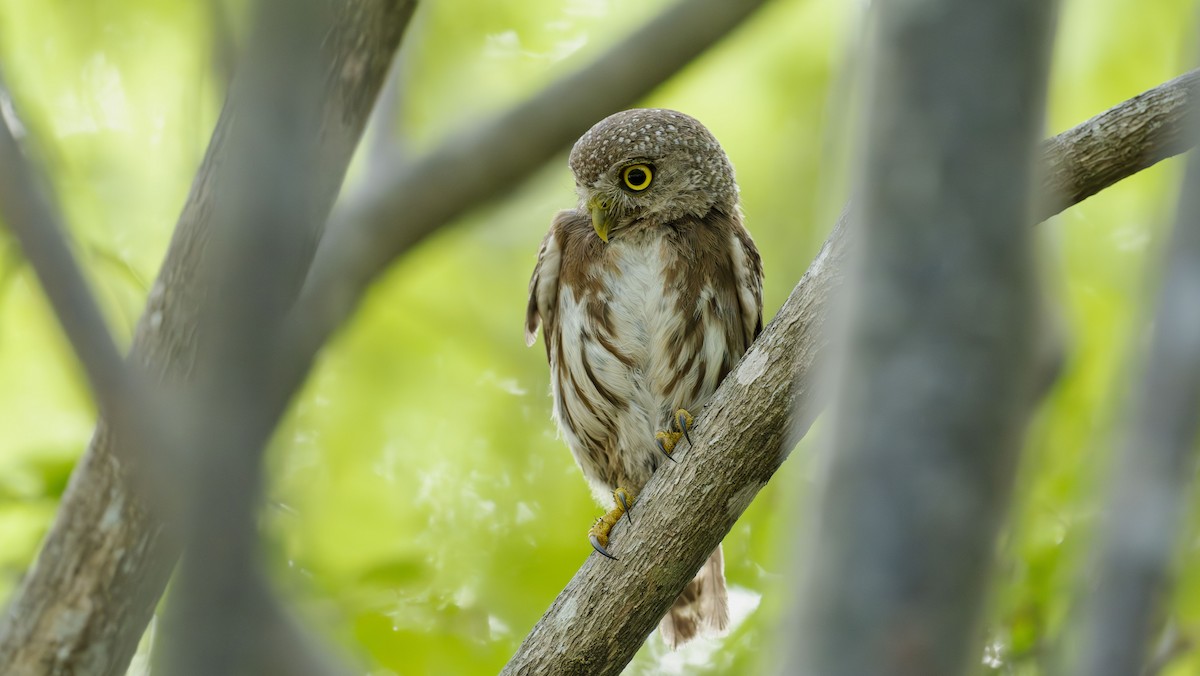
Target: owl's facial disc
column 612, row 209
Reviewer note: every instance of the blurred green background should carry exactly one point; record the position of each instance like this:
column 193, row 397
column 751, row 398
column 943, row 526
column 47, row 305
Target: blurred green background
column 421, row 512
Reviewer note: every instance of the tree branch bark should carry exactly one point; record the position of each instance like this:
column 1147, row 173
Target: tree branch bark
column 770, row 400
column 84, row 604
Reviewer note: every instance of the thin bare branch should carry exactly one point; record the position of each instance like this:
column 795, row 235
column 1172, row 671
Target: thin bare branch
column 34, row 219
column 119, row 389
column 1155, row 465
column 768, row 403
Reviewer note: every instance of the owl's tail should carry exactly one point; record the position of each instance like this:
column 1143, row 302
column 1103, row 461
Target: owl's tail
column 703, row 607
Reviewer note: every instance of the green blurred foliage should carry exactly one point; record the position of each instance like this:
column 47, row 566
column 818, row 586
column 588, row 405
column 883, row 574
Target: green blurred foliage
column 421, row 511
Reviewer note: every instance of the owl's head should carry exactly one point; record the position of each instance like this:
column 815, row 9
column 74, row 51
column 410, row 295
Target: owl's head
column 651, row 166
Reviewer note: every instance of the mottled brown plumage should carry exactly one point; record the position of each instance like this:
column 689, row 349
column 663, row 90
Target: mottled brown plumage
column 651, row 320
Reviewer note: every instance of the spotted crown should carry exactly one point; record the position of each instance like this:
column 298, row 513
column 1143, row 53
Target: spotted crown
column 652, row 134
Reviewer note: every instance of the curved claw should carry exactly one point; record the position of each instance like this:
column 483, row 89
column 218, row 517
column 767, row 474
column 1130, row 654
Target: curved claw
column 600, row 548
column 663, row 448
column 626, row 503
column 684, row 420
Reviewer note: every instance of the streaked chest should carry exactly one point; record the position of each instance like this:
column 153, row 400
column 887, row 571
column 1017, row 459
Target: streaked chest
column 643, row 326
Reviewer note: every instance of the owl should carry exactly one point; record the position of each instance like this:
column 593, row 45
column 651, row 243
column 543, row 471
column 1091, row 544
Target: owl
column 648, row 292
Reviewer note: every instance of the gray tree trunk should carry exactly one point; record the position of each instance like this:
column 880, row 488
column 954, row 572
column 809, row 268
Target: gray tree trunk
column 936, row 377
column 84, row 604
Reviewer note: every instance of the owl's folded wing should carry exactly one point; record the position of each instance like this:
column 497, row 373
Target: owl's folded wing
column 748, row 272
column 543, row 286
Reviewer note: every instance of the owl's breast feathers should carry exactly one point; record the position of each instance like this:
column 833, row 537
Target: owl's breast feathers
column 639, row 327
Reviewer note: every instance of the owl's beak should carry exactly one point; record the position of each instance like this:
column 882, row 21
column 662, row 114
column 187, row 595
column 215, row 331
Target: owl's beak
column 603, row 217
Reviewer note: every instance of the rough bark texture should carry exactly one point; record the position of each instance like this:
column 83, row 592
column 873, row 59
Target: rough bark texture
column 1140, row 132
column 768, row 402
column 105, row 562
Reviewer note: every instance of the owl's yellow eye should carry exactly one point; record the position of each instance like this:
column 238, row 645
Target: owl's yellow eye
column 637, row 177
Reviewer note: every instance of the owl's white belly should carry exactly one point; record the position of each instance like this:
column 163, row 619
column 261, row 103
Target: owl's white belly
column 627, row 372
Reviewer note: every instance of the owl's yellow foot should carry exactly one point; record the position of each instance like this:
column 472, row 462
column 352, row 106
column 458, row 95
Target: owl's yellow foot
column 668, row 440
column 598, row 535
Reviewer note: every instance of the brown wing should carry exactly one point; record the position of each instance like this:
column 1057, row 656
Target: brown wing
column 749, row 279
column 543, row 286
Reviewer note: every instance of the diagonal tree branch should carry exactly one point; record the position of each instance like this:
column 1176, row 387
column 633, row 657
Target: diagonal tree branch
column 121, row 392
column 33, row 219
column 85, row 603
column 1118, row 143
column 769, row 401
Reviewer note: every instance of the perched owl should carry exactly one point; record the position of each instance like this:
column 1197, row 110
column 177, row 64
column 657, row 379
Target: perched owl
column 649, row 292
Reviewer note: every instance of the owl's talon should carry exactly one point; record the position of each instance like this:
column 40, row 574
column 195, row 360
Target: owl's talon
column 598, row 535
column 684, row 421
column 595, row 540
column 625, row 501
column 665, row 444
